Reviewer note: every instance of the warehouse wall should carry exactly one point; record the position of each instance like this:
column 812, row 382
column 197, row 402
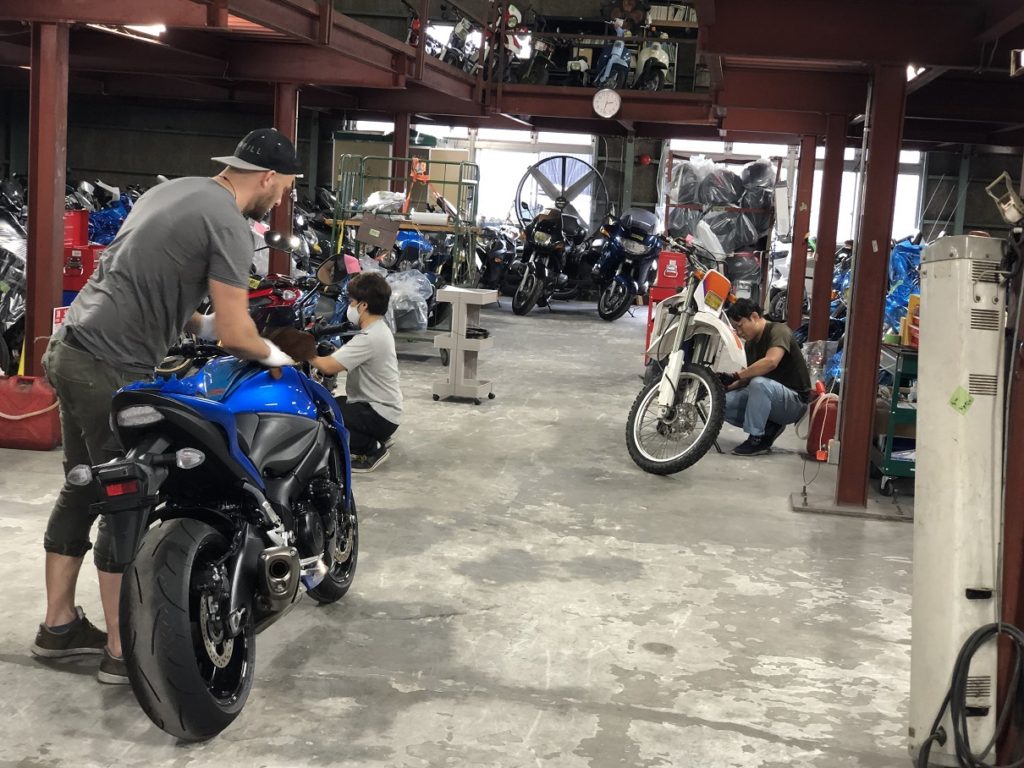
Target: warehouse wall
column 941, row 198
column 125, row 143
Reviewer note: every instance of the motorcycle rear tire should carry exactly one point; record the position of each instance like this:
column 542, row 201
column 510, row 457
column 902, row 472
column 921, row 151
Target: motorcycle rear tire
column 339, row 578
column 525, row 300
column 611, row 310
column 697, row 449
column 164, row 650
column 779, row 307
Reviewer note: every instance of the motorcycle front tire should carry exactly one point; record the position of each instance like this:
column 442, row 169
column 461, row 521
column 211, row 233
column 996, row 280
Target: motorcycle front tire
column 527, row 294
column 163, row 642
column 608, row 308
column 687, row 458
column 654, row 82
column 779, row 306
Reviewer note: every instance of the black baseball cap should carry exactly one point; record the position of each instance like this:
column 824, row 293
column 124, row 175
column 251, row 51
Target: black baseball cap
column 265, row 149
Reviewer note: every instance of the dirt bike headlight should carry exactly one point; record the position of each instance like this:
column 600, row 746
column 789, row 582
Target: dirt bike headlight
column 80, row 475
column 541, row 238
column 138, row 416
column 189, row 458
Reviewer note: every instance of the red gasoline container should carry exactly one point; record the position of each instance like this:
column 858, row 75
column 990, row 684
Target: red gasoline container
column 28, row 414
column 824, row 414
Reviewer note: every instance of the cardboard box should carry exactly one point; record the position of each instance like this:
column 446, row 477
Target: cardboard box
column 881, row 422
column 378, row 232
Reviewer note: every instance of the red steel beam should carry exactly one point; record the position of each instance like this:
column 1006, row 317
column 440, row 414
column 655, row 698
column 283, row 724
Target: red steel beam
column 172, row 13
column 326, row 29
column 286, row 120
column 1013, row 518
column 295, row 63
column 637, row 106
column 808, row 91
column 864, row 334
column 828, row 226
column 47, row 130
column 801, row 223
column 873, row 31
column 793, row 124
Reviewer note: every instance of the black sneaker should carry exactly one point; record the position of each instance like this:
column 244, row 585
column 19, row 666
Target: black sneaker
column 113, row 670
column 369, row 463
column 772, row 432
column 80, row 638
column 754, row 445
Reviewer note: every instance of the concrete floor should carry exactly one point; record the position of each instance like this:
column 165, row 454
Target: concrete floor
column 527, row 597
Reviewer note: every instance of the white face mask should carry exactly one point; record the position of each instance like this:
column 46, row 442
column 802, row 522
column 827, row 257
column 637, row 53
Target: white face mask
column 353, row 315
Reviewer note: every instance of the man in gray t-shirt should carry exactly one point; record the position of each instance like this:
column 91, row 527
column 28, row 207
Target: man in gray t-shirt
column 373, row 405
column 182, row 240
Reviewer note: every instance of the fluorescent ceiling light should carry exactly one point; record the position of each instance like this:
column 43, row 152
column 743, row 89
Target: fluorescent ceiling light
column 150, row 30
column 913, row 71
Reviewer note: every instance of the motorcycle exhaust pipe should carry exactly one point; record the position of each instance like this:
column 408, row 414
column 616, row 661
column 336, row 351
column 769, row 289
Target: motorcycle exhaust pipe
column 279, row 572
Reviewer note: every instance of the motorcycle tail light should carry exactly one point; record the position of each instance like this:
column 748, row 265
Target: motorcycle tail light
column 121, row 489
column 80, row 475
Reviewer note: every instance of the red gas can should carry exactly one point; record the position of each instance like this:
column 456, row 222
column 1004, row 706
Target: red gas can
column 824, row 414
column 28, row 414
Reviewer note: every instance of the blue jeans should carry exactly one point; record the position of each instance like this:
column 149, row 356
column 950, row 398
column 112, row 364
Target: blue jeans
column 761, row 401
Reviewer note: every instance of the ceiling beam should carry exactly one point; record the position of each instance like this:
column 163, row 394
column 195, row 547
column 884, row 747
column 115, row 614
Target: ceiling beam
column 869, row 31
column 172, row 13
column 637, row 106
column 792, row 124
column 809, row 91
column 1001, row 17
column 970, row 99
column 297, row 63
column 301, row 19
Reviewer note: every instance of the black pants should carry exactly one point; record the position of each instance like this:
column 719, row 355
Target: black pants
column 367, row 429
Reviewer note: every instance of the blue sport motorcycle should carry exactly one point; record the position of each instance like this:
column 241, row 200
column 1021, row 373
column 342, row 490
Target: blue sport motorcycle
column 233, row 499
column 627, row 249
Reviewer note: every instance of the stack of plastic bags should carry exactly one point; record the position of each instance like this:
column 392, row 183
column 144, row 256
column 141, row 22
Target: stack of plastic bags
column 410, row 292
column 699, row 184
column 904, row 281
column 104, row 225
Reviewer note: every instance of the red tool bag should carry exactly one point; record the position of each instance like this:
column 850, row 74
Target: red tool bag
column 29, row 418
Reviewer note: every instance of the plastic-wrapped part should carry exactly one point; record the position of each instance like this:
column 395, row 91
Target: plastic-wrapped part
column 723, row 224
column 104, row 225
column 819, row 356
column 366, row 264
column 746, row 232
column 760, row 200
column 833, row 369
column 410, row 291
column 683, row 221
column 904, row 281
column 384, row 202
column 687, row 176
column 706, row 238
column 720, row 187
column 758, row 174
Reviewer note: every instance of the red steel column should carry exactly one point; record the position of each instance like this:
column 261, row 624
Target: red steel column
column 801, row 223
column 400, row 148
column 828, row 226
column 286, row 119
column 884, row 126
column 47, row 161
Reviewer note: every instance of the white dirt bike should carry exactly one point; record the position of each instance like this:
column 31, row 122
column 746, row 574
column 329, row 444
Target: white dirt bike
column 678, row 414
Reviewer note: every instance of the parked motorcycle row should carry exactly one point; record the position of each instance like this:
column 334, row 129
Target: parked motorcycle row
column 552, row 58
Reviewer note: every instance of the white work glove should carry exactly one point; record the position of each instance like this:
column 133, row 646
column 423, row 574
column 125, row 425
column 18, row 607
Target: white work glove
column 207, row 327
column 277, row 358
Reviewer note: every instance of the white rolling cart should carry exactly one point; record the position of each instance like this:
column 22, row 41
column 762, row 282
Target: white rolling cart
column 464, row 344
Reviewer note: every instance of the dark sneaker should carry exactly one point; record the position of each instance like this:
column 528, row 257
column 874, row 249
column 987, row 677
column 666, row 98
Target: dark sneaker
column 80, row 638
column 389, row 442
column 754, row 445
column 772, row 432
column 113, row 670
column 369, row 463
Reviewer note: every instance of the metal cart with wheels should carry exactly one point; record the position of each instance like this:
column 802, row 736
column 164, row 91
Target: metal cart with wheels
column 896, row 421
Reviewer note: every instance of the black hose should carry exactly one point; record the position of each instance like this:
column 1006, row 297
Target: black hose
column 956, row 701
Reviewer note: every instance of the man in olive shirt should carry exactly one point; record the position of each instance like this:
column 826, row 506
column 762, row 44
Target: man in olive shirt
column 773, row 390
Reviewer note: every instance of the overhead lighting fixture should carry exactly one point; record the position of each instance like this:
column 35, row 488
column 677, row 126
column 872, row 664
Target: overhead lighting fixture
column 150, row 30
column 913, row 71
column 147, row 32
column 1016, row 62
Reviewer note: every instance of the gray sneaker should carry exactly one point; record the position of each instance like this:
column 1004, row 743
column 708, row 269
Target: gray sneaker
column 113, row 670
column 80, row 638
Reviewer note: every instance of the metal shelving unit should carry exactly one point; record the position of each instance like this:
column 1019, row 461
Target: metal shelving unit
column 901, row 362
